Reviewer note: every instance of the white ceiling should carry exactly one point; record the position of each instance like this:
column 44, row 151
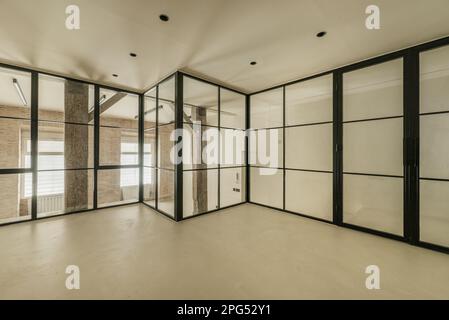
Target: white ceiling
column 214, row 38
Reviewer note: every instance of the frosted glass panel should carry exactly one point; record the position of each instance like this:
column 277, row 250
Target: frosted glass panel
column 267, row 186
column 309, row 147
column 373, row 92
column 373, row 147
column 309, row 101
column 266, row 148
column 434, row 70
column 232, row 147
column 309, row 193
column 233, row 106
column 232, row 186
column 166, row 191
column 373, row 202
column 266, row 109
column 434, row 146
column 200, row 191
column 434, row 212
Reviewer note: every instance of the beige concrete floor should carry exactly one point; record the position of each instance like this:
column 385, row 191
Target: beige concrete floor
column 246, row 252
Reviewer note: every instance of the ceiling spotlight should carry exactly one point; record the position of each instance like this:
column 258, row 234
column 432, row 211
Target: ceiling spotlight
column 253, row 63
column 19, row 91
column 115, row 75
column 132, row 54
column 321, row 34
column 164, row 17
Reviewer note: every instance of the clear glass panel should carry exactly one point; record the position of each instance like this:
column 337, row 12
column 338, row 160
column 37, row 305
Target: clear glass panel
column 15, row 143
column 434, row 146
column 267, row 109
column 434, row 80
column 64, row 146
column 200, row 191
column 118, row 146
column 266, row 148
column 165, row 146
column 200, row 147
column 150, row 109
column 309, row 147
column 232, row 147
column 374, row 147
column 119, row 109
column 15, row 94
column 232, row 109
column 167, row 101
column 309, row 193
column 232, row 186
column 60, row 192
column 267, row 186
column 149, row 186
column 309, row 101
column 15, row 197
column 373, row 92
column 166, row 191
column 434, row 213
column 149, row 148
column 117, row 186
column 200, row 102
column 374, row 202
column 65, row 100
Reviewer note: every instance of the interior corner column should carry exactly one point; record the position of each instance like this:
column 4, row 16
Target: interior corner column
column 76, row 145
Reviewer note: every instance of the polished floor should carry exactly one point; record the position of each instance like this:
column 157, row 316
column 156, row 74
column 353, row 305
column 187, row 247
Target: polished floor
column 245, row 252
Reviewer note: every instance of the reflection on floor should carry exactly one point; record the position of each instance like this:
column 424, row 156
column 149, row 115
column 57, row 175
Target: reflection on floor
column 241, row 252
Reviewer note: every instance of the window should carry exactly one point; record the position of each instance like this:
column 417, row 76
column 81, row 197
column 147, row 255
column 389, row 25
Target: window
column 129, row 156
column 51, row 156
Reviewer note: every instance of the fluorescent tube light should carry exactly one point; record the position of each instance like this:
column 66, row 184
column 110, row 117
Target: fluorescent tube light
column 19, row 91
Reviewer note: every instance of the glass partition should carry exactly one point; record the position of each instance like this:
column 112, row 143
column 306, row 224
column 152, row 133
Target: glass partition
column 373, row 147
column 208, row 147
column 65, row 180
column 266, row 148
column 159, row 167
column 16, row 179
column 434, row 146
column 309, row 147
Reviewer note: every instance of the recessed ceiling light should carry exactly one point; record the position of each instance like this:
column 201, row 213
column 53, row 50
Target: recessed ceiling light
column 321, row 34
column 164, row 17
column 115, row 75
column 253, row 63
column 132, row 54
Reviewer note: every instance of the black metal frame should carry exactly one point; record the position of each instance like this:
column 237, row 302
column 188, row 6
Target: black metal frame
column 34, row 120
column 411, row 86
column 219, row 167
column 411, row 115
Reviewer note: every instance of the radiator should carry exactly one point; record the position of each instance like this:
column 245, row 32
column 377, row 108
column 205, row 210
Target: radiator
column 49, row 203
